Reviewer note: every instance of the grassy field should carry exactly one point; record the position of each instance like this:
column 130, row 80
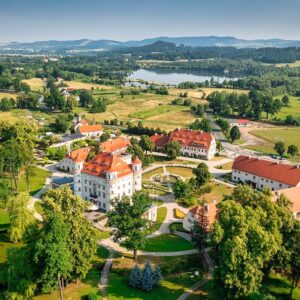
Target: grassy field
column 182, row 171
column 292, row 65
column 36, row 181
column 178, row 276
column 198, row 93
column 293, row 109
column 288, row 135
column 13, row 116
column 153, row 110
column 8, row 95
column 165, row 160
column 217, row 193
column 227, row 166
column 36, row 84
column 167, row 243
column 85, row 85
column 4, row 219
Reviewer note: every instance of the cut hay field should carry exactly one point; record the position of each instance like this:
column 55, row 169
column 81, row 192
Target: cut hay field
column 198, row 93
column 86, row 85
column 13, row 116
column 292, row 65
column 36, row 84
column 153, row 110
column 8, row 95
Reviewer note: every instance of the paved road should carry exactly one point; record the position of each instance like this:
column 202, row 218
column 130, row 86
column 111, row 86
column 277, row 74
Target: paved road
column 103, row 284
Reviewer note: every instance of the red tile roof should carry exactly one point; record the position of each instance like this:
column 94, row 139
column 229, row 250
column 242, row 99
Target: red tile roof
column 279, row 172
column 79, row 155
column 106, row 162
column 211, row 211
column 159, row 140
column 293, row 194
column 242, row 121
column 115, row 144
column 90, row 128
column 84, row 122
column 185, row 137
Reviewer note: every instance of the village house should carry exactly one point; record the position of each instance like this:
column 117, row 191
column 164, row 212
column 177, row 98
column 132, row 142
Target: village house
column 265, row 173
column 191, row 217
column 82, row 127
column 108, row 176
column 293, row 194
column 73, row 159
column 193, row 143
column 240, row 122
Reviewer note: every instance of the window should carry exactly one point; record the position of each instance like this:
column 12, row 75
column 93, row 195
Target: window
column 79, row 189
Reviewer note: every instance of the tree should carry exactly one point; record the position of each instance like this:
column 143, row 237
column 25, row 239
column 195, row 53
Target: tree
column 172, row 149
column 86, row 99
column 62, row 123
column 292, row 150
column 156, row 276
column 52, row 253
column 147, row 279
column 19, row 215
column 202, row 174
column 285, row 100
column 82, row 237
column 104, row 137
column 135, row 277
column 201, row 228
column 98, row 105
column 235, row 133
column 280, row 148
column 146, row 144
column 126, row 219
column 181, row 189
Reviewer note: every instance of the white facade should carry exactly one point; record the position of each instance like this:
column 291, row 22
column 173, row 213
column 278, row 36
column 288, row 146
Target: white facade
column 151, row 213
column 188, row 221
column 92, row 133
column 193, row 151
column 257, row 181
column 101, row 190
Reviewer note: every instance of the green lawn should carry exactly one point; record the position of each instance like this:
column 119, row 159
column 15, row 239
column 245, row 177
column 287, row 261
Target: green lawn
column 288, row 135
column 167, row 243
column 165, row 160
column 293, row 109
column 161, row 215
column 36, row 181
column 227, row 166
column 4, row 245
column 177, row 226
column 182, row 171
column 149, row 174
column 4, row 219
column 178, row 276
column 279, row 287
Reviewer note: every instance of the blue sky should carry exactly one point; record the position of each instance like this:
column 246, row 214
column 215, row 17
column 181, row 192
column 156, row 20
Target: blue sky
column 30, row 20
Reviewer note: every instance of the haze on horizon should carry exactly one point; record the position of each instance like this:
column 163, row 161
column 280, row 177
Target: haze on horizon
column 33, row 20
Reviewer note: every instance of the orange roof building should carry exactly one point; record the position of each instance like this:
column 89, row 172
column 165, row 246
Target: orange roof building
column 293, row 194
column 193, row 143
column 73, row 158
column 91, row 130
column 117, row 145
column 108, row 176
column 265, row 173
column 191, row 217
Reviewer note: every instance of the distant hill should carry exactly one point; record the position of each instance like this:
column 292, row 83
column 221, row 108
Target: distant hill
column 86, row 45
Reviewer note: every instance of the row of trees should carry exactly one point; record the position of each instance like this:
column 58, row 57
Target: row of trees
column 54, row 253
column 251, row 105
column 281, row 149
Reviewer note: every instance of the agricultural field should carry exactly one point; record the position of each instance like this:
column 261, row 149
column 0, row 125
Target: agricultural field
column 288, row 135
column 205, row 91
column 36, row 84
column 153, row 110
column 293, row 109
column 8, row 95
column 291, row 65
column 86, row 85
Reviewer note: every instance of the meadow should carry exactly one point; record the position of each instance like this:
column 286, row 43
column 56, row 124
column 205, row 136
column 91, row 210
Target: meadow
column 293, row 108
column 36, row 84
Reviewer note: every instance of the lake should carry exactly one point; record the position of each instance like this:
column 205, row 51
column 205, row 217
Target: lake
column 171, row 78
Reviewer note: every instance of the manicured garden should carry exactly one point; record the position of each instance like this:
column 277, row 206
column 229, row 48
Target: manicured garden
column 178, row 275
column 149, row 174
column 161, row 215
column 167, row 243
column 181, row 171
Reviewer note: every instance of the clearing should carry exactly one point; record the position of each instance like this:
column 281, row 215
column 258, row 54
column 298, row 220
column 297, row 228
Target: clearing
column 36, row 84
